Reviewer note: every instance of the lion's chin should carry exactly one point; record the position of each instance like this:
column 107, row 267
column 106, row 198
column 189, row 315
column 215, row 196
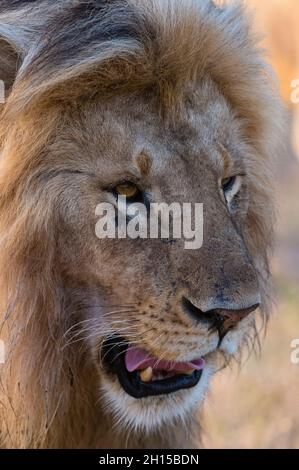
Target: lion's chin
column 150, row 413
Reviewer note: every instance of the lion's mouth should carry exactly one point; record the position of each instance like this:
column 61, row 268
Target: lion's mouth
column 142, row 375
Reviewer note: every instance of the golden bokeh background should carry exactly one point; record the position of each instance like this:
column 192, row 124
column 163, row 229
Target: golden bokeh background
column 257, row 406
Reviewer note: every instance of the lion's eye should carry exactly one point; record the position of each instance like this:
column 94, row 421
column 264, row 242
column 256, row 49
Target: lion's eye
column 228, row 183
column 129, row 190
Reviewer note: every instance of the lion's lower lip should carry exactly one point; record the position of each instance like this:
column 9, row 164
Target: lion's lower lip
column 114, row 353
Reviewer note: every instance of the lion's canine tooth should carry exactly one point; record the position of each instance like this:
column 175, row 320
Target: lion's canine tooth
column 189, row 372
column 146, row 374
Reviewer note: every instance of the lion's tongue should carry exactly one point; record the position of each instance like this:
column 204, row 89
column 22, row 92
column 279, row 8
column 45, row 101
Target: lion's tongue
column 138, row 359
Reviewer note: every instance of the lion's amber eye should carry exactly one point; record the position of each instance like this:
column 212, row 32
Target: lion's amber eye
column 227, row 183
column 129, row 190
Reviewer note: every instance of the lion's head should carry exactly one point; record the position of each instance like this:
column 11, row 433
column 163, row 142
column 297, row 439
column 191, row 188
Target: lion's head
column 161, row 101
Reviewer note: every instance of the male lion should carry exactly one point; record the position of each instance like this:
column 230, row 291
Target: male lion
column 113, row 342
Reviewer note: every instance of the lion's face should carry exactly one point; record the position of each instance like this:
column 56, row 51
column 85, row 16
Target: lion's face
column 174, row 303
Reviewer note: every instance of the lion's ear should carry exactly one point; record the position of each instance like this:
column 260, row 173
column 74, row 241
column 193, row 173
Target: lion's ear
column 9, row 59
column 17, row 34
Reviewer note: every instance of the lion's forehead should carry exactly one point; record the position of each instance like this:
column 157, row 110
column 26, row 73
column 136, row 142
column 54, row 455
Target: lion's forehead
column 126, row 128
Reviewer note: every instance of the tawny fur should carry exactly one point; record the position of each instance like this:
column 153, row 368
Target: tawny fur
column 55, row 60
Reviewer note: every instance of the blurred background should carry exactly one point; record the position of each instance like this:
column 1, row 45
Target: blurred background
column 258, row 406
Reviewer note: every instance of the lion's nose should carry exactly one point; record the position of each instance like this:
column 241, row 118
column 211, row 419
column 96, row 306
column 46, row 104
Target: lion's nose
column 221, row 319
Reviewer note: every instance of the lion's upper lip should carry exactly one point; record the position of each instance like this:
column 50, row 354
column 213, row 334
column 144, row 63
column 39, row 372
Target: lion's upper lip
column 139, row 359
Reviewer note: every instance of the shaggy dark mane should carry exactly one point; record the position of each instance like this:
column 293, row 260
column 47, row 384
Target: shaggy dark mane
column 125, row 45
column 13, row 4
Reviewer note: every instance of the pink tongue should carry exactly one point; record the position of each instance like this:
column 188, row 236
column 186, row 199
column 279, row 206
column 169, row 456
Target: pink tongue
column 138, row 359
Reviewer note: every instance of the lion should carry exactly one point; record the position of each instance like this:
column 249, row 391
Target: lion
column 113, row 342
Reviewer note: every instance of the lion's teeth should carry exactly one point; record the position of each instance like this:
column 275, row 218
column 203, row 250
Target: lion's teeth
column 146, row 375
column 189, row 372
